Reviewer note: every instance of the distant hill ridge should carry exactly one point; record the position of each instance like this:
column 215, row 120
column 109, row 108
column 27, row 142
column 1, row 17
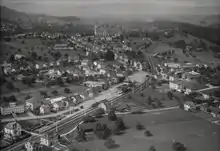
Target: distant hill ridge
column 16, row 16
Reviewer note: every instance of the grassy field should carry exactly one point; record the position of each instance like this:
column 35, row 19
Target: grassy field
column 201, row 57
column 166, row 126
column 141, row 101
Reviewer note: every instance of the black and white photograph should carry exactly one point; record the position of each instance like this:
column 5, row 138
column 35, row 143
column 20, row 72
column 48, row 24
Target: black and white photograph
column 103, row 75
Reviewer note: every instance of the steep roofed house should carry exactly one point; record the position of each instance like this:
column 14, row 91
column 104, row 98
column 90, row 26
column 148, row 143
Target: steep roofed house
column 44, row 109
column 33, row 103
column 12, row 130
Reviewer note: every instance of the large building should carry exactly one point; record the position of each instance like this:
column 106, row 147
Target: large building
column 12, row 108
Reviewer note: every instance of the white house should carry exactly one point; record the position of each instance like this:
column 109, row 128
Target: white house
column 44, row 109
column 102, row 71
column 172, row 65
column 103, row 106
column 189, row 105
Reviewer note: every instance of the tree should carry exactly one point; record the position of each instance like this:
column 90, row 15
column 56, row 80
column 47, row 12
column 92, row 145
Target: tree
column 39, row 58
column 180, row 44
column 102, row 131
column 109, row 143
column 67, row 90
column 139, row 126
column 28, row 97
column 99, row 112
column 170, row 95
column 112, row 116
column 80, row 135
column 119, row 123
column 60, row 81
column 12, row 98
column 148, row 133
column 109, row 56
column 55, row 92
column 66, row 55
column 149, row 100
column 177, row 146
column 175, row 59
column 10, row 86
column 34, row 55
column 57, row 55
column 43, row 93
column 152, row 148
column 158, row 103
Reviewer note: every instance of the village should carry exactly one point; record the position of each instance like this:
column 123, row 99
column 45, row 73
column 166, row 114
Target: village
column 61, row 74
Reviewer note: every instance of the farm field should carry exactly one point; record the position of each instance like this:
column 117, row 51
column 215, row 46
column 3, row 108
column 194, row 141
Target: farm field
column 140, row 99
column 166, row 126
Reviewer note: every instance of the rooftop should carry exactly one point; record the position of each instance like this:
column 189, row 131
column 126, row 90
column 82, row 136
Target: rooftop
column 12, row 125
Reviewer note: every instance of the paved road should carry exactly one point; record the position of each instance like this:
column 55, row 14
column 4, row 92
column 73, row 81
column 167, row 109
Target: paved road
column 214, row 87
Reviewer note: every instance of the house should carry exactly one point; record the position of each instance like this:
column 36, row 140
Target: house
column 172, row 65
column 191, row 75
column 31, row 144
column 18, row 56
column 188, row 105
column 185, row 86
column 84, row 62
column 12, row 107
column 102, row 71
column 58, row 99
column 44, row 109
column 33, row 103
column 58, row 106
column 12, row 130
column 61, row 46
column 215, row 111
column 105, row 105
column 49, row 139
column 34, row 146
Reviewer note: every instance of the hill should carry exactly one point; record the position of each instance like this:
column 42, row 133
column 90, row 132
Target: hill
column 208, row 33
column 20, row 17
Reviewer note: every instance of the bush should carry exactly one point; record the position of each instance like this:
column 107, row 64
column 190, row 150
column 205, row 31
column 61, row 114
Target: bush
column 110, row 143
column 80, row 135
column 152, row 148
column 102, row 131
column 148, row 133
column 66, row 90
column 119, row 123
column 112, row 116
column 139, row 126
column 99, row 112
column 177, row 146
column 55, row 92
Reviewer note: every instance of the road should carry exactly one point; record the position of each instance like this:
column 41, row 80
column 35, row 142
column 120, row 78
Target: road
column 213, row 87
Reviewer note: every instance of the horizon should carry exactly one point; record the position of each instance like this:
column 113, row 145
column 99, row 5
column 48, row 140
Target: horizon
column 115, row 8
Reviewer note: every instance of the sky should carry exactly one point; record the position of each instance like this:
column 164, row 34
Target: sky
column 90, row 8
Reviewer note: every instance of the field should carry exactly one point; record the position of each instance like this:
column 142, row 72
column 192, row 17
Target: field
column 166, row 126
column 138, row 100
column 201, row 57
